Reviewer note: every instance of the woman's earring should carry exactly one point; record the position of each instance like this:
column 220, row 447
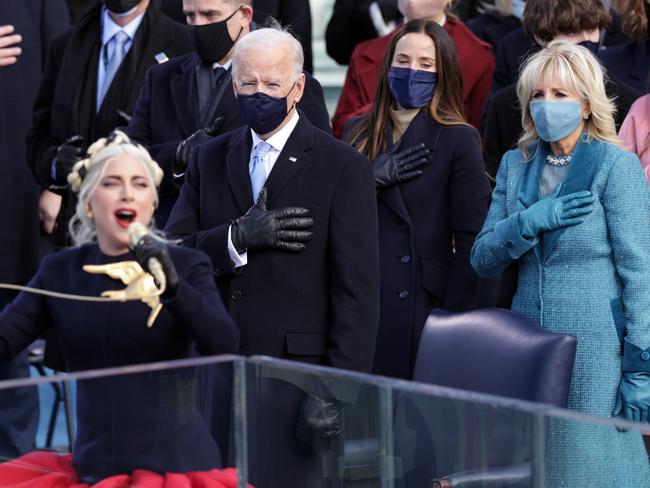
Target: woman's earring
column 89, row 212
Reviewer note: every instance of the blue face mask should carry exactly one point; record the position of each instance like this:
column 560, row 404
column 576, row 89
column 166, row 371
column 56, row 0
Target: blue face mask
column 555, row 120
column 263, row 113
column 411, row 88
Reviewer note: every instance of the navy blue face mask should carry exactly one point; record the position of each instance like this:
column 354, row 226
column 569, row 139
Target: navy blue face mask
column 591, row 45
column 263, row 113
column 412, row 88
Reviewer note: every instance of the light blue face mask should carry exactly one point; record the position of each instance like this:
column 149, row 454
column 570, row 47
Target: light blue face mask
column 518, row 7
column 555, row 120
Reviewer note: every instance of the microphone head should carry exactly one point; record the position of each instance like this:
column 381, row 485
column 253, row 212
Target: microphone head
column 136, row 232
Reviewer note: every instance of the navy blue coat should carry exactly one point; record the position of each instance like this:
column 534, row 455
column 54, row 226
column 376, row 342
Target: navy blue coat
column 166, row 113
column 631, row 63
column 147, row 421
column 320, row 305
column 427, row 227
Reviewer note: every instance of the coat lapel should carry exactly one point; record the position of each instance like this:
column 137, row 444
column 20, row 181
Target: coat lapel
column 292, row 158
column 392, row 195
column 528, row 192
column 237, row 168
column 183, row 87
column 582, row 170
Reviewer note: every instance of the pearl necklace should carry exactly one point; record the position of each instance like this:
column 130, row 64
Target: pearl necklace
column 558, row 160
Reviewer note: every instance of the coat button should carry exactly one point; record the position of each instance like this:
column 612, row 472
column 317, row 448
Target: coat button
column 405, row 259
column 217, row 272
column 645, row 355
column 403, row 294
column 238, row 271
column 236, row 295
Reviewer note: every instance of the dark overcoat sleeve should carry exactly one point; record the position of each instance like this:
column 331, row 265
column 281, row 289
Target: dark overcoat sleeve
column 469, row 194
column 41, row 146
column 184, row 222
column 354, row 269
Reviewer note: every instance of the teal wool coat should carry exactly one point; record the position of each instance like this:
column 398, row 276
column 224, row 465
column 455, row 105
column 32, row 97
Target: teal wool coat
column 591, row 280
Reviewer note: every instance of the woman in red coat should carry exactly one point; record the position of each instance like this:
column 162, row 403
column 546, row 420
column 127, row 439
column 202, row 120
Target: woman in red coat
column 476, row 63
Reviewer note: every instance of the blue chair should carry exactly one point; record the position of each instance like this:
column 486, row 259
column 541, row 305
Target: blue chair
column 493, row 351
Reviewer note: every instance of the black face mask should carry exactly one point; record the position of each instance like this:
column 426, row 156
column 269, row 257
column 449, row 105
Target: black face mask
column 591, row 45
column 212, row 41
column 120, row 6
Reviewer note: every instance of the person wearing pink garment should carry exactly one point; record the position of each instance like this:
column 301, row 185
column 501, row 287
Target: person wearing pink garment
column 635, row 132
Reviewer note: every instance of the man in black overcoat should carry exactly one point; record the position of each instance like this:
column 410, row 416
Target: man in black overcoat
column 187, row 94
column 70, row 101
column 298, row 270
column 35, row 22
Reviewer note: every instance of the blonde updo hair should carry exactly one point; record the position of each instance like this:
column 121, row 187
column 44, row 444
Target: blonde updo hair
column 87, row 173
column 576, row 69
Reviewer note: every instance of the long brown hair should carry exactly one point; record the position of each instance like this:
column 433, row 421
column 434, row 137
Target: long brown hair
column 446, row 107
column 634, row 15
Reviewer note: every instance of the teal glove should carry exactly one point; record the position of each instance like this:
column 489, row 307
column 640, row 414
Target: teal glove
column 552, row 213
column 633, row 399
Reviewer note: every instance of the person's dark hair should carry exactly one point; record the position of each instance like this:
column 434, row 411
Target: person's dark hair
column 635, row 18
column 545, row 19
column 446, row 106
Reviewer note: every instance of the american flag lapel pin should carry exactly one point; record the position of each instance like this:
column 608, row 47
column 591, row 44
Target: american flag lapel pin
column 161, row 58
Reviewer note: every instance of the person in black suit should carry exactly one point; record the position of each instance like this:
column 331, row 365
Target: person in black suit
column 92, row 78
column 432, row 195
column 497, row 22
column 182, row 97
column 31, row 24
column 631, row 61
column 298, row 269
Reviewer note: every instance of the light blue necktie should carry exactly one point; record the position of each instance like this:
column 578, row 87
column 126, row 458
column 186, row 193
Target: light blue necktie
column 119, row 41
column 256, row 168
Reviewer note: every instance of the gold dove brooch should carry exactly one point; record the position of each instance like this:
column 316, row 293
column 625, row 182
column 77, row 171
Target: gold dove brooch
column 140, row 285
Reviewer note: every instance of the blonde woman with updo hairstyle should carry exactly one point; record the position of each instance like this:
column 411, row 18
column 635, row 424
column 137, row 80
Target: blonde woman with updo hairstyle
column 121, row 427
column 572, row 207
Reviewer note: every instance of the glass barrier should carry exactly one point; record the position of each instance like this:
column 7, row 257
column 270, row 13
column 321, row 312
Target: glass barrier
column 287, row 424
column 318, row 427
column 159, row 424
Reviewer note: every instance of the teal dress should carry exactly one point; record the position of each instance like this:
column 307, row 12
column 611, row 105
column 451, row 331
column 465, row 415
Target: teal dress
column 591, row 280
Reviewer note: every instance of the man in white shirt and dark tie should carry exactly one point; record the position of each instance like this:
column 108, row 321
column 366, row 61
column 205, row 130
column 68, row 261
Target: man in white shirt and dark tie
column 298, row 270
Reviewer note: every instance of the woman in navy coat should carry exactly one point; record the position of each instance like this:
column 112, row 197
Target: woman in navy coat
column 432, row 193
column 571, row 206
column 136, row 422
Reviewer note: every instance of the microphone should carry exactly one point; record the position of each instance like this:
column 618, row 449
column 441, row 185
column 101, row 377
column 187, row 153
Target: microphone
column 137, row 231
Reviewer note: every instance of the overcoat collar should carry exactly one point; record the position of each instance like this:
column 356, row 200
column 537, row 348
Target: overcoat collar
column 584, row 165
column 291, row 160
column 421, row 129
column 183, row 87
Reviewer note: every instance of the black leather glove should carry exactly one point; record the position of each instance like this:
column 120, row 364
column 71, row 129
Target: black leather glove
column 186, row 146
column 319, row 423
column 149, row 247
column 396, row 166
column 284, row 228
column 67, row 154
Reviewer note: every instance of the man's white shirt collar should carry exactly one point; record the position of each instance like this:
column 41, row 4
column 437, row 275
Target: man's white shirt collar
column 111, row 28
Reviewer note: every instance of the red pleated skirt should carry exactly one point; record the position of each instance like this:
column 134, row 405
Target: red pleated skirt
column 50, row 470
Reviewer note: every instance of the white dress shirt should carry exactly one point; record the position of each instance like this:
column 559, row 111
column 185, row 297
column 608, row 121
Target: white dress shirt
column 277, row 142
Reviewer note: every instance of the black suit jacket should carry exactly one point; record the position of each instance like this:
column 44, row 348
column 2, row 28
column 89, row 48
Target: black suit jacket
column 56, row 114
column 166, row 112
column 320, row 305
column 503, row 119
column 427, row 228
